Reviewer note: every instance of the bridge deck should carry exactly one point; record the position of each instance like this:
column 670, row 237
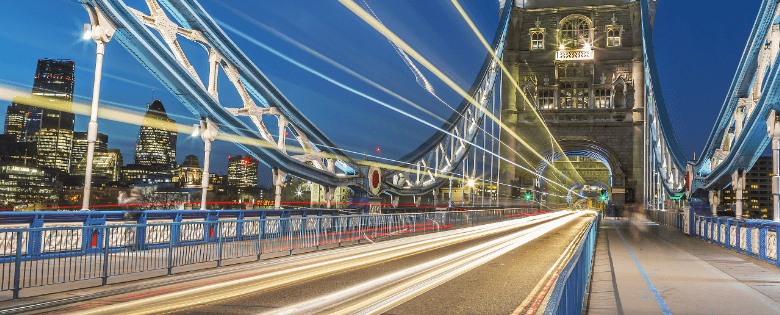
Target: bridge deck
column 644, row 268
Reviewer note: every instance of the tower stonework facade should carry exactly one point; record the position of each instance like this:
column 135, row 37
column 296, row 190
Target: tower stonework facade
column 580, row 64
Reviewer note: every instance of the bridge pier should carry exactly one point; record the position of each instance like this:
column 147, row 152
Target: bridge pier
column 714, row 201
column 329, row 192
column 738, row 183
column 773, row 129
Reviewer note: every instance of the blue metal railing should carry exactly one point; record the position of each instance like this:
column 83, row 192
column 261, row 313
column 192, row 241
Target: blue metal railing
column 38, row 256
column 755, row 238
column 568, row 294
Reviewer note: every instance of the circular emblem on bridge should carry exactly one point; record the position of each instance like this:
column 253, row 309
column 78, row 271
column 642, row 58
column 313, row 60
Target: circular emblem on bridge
column 374, row 179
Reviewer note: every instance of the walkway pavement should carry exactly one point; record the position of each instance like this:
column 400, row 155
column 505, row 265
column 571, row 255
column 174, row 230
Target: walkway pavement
column 641, row 267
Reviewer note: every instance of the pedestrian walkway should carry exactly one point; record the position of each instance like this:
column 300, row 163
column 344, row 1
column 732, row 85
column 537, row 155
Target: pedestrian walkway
column 641, row 267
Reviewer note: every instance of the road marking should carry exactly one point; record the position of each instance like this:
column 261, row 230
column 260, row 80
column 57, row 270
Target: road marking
column 656, row 294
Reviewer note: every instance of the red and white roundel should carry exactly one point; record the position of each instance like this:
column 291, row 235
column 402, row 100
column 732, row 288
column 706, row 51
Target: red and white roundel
column 374, row 179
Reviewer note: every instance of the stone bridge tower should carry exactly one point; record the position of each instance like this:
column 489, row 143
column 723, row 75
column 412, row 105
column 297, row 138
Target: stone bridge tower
column 580, row 64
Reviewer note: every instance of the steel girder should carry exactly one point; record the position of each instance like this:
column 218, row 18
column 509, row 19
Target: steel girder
column 666, row 154
column 320, row 156
column 714, row 168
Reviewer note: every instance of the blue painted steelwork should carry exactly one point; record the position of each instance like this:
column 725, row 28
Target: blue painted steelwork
column 568, row 294
column 666, row 160
column 750, row 143
column 755, row 238
column 139, row 40
column 102, row 249
column 653, row 84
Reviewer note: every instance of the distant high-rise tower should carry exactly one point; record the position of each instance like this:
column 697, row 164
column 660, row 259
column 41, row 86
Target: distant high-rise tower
column 46, row 117
column 54, row 80
column 157, row 139
column 242, row 171
column 80, row 145
column 16, row 118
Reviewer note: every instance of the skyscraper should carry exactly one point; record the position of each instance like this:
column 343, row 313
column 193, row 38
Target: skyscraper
column 242, row 171
column 80, row 145
column 46, row 117
column 54, row 80
column 157, row 139
column 16, row 118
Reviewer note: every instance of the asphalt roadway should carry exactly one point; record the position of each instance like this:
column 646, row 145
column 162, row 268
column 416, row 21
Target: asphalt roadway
column 487, row 269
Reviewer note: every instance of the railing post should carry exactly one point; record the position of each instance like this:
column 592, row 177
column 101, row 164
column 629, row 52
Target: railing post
column 106, row 232
column 170, row 248
column 339, row 230
column 290, row 234
column 17, row 264
column 319, row 231
column 219, row 247
column 260, row 229
column 414, row 225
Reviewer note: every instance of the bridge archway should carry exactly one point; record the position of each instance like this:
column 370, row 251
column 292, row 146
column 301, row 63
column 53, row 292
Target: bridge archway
column 589, row 150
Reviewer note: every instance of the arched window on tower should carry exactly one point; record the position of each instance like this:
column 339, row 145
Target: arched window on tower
column 537, row 40
column 613, row 33
column 575, row 31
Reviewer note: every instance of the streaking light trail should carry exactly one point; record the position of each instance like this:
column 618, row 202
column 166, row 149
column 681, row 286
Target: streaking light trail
column 386, row 105
column 421, row 80
column 510, row 77
column 355, row 8
column 361, row 77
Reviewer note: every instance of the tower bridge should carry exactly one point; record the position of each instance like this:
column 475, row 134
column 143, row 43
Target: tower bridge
column 567, row 102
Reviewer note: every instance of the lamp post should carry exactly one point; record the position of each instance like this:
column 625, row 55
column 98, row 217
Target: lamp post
column 208, row 134
column 101, row 31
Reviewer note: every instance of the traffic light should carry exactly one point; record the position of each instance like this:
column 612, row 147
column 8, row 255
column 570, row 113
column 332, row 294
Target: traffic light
column 528, row 195
column 603, row 195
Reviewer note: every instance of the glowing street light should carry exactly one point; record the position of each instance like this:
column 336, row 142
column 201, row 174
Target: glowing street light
column 87, row 32
column 195, row 130
column 470, row 182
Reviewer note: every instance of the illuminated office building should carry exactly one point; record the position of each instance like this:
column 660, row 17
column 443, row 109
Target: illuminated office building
column 157, row 139
column 54, row 80
column 105, row 165
column 16, row 119
column 242, row 171
column 46, row 117
column 80, row 146
column 27, row 185
column 132, row 174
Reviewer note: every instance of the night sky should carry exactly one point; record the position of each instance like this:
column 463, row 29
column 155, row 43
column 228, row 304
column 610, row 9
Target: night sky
column 697, row 46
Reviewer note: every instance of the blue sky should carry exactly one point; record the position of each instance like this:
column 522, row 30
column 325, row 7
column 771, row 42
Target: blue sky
column 697, row 47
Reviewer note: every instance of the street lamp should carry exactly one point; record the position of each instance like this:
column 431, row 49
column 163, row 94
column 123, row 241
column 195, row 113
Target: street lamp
column 101, row 31
column 87, row 32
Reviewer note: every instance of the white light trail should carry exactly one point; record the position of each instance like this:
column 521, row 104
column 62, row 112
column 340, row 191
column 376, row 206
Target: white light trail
column 386, row 105
column 419, row 77
column 355, row 8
